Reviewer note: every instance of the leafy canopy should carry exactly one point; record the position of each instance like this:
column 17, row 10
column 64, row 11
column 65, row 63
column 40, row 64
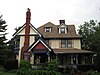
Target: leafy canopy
column 90, row 32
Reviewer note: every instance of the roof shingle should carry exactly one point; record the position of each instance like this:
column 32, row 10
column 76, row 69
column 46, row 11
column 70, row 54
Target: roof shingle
column 55, row 33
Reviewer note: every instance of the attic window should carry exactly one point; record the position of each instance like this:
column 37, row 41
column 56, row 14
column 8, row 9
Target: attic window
column 47, row 29
column 62, row 30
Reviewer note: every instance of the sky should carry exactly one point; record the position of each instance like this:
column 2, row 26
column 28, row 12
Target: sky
column 43, row 11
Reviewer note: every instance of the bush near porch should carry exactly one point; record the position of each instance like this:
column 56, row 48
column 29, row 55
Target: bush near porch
column 50, row 69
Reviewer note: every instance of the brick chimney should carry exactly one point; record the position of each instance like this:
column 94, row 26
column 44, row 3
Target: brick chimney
column 27, row 38
column 27, row 28
column 62, row 21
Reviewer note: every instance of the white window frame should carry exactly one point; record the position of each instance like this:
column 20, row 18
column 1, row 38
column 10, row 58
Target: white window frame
column 47, row 29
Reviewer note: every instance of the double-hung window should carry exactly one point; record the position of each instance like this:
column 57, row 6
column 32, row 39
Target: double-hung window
column 66, row 43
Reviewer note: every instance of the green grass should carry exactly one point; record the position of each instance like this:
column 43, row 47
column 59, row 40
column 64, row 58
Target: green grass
column 6, row 73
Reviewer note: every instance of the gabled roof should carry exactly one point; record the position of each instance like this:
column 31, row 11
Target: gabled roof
column 35, row 43
column 55, row 32
column 22, row 27
column 62, row 25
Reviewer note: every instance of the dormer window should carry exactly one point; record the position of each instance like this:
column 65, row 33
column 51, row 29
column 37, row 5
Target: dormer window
column 47, row 29
column 62, row 30
column 62, row 27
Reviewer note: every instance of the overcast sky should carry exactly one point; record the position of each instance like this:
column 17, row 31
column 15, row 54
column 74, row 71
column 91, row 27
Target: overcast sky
column 43, row 11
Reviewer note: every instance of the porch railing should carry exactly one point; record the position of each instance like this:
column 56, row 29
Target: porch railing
column 38, row 66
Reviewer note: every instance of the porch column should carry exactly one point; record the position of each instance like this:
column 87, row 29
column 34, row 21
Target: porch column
column 92, row 60
column 76, row 59
column 71, row 59
column 83, row 60
column 32, row 59
column 48, row 57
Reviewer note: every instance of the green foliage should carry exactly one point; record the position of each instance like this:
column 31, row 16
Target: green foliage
column 92, row 72
column 44, row 72
column 25, row 68
column 2, row 32
column 10, row 47
column 2, row 68
column 53, row 65
column 85, row 68
column 10, row 64
column 90, row 31
column 51, row 69
column 6, row 73
column 24, row 71
column 3, row 45
column 68, row 70
column 25, row 64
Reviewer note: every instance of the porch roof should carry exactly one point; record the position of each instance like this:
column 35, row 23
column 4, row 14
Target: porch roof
column 71, row 51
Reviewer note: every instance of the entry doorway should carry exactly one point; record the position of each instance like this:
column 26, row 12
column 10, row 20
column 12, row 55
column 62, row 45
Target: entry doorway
column 40, row 58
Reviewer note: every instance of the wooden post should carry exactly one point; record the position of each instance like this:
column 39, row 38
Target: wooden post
column 48, row 57
column 71, row 59
column 76, row 59
column 32, row 59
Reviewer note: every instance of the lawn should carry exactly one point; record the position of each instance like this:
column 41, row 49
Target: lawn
column 6, row 73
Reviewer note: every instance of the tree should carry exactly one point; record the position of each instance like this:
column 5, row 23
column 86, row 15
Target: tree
column 3, row 44
column 10, row 49
column 90, row 31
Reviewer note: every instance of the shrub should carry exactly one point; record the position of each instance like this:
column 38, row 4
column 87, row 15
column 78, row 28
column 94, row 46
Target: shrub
column 51, row 69
column 53, row 65
column 68, row 69
column 2, row 62
column 2, row 68
column 25, row 64
column 85, row 67
column 25, row 68
column 10, row 64
column 24, row 71
column 44, row 72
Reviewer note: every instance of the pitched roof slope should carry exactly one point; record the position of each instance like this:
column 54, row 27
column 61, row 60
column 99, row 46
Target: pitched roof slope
column 36, row 42
column 55, row 33
column 22, row 27
column 70, row 50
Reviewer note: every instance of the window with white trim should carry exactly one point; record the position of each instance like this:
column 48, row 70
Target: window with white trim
column 62, row 30
column 47, row 29
column 66, row 43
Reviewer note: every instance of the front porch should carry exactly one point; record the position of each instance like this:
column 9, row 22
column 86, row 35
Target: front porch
column 67, row 59
column 71, row 59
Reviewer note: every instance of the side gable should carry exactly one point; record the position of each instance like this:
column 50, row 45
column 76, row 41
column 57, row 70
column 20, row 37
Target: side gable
column 33, row 30
column 39, row 45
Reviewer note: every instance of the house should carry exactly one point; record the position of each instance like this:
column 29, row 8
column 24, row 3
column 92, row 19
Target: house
column 50, row 41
